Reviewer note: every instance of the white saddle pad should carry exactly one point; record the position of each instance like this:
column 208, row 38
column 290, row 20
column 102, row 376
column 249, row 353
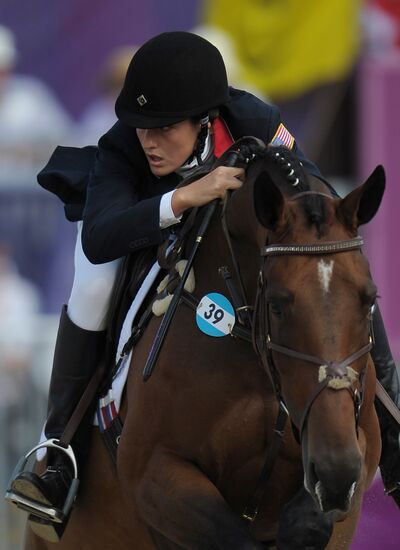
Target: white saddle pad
column 110, row 404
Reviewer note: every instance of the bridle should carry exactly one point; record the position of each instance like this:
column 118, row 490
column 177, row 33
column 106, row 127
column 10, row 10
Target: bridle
column 333, row 374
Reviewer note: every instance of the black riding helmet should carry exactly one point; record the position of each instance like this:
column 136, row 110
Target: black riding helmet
column 172, row 77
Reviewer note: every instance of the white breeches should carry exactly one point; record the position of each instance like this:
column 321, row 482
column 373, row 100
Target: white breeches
column 91, row 290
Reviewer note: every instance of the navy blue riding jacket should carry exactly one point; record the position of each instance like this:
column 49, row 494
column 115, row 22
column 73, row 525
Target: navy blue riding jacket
column 112, row 188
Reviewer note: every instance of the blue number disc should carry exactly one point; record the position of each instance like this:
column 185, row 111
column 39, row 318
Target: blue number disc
column 215, row 315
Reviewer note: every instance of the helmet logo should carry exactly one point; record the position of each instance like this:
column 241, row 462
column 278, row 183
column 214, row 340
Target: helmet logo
column 141, row 100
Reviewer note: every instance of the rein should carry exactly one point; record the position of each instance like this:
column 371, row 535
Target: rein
column 168, row 316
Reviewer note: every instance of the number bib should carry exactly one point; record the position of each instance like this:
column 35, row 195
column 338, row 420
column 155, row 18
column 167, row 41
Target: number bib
column 215, row 315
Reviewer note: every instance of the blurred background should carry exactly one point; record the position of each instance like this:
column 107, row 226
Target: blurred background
column 333, row 68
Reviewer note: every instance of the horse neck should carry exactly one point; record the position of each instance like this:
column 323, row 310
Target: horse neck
column 214, row 253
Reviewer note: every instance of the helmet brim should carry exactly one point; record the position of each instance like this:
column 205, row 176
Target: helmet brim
column 142, row 121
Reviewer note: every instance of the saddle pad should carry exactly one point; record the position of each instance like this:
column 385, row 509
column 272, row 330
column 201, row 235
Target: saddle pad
column 109, row 404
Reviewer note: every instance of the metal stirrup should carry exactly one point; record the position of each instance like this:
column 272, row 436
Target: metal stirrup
column 39, row 509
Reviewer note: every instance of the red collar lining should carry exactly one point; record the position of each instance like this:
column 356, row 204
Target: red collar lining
column 222, row 137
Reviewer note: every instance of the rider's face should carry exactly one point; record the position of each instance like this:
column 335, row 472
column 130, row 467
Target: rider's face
column 168, row 148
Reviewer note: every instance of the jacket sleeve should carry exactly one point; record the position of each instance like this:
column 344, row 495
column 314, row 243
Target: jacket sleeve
column 66, row 175
column 115, row 221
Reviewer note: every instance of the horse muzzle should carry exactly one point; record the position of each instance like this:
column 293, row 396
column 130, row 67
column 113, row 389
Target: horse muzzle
column 332, row 482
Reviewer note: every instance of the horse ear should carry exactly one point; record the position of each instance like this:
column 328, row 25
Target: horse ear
column 361, row 204
column 268, row 201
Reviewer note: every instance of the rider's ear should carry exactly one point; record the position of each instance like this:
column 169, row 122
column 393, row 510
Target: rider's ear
column 361, row 205
column 268, row 201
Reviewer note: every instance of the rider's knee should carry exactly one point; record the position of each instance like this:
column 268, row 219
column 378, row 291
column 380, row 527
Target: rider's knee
column 90, row 299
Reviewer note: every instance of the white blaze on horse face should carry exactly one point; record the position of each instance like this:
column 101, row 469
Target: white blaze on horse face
column 325, row 270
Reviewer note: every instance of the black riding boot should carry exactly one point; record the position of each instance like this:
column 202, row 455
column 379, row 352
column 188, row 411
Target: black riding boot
column 77, row 354
column 387, row 375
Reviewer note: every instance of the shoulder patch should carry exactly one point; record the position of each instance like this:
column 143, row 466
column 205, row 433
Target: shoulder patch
column 283, row 137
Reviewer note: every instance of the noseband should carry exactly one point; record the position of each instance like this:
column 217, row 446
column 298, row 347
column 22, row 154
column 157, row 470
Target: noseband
column 333, row 374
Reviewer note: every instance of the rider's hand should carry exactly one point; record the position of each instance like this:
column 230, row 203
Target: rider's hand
column 202, row 191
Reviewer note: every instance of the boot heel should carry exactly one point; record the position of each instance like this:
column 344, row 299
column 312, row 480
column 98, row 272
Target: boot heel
column 47, row 530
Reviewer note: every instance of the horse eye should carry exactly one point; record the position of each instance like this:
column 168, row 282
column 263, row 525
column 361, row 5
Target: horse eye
column 275, row 307
column 278, row 301
column 276, row 310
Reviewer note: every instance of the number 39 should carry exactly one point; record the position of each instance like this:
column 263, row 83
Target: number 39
column 217, row 314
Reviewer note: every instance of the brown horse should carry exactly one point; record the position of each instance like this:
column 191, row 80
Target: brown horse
column 197, row 433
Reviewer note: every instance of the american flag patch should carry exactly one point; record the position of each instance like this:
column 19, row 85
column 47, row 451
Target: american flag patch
column 283, row 137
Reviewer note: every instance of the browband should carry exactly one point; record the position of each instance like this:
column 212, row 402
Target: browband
column 329, row 247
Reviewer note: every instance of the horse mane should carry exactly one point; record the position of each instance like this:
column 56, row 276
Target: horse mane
column 295, row 180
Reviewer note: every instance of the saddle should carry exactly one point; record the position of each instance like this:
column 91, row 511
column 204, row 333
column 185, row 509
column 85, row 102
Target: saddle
column 130, row 277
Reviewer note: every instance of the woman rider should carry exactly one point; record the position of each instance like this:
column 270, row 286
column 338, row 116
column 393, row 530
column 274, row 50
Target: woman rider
column 176, row 114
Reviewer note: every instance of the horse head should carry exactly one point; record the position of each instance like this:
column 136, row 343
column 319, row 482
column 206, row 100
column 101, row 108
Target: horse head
column 314, row 309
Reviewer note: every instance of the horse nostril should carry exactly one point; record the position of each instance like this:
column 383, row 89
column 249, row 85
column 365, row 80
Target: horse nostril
column 338, row 477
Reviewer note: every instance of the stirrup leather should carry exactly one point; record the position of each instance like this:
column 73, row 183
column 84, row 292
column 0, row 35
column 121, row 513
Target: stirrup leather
column 48, row 513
